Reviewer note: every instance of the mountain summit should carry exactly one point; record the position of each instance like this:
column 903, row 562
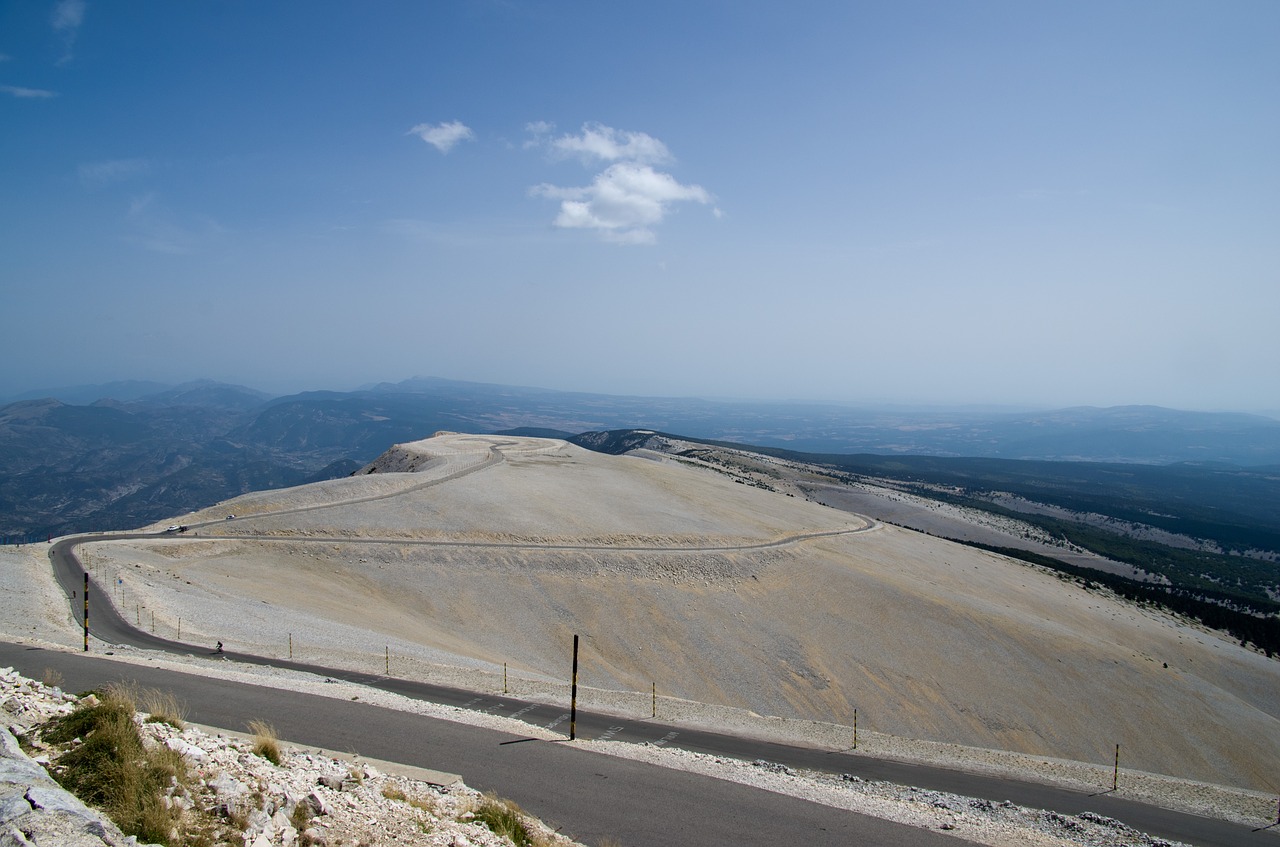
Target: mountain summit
column 480, row 551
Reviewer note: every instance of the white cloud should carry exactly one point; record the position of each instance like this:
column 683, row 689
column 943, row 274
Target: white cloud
column 626, row 200
column 32, row 93
column 98, row 174
column 623, row 202
column 443, row 136
column 611, row 145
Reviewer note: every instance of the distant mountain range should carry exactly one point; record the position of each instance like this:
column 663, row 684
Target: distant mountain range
column 126, row 454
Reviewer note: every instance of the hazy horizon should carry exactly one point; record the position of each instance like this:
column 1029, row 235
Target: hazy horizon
column 868, row 404
column 924, row 203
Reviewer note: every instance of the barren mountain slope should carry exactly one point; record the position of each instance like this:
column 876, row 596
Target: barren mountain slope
column 493, row 550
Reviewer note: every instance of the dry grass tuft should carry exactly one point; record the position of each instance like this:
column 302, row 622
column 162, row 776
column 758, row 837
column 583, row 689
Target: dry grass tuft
column 425, row 803
column 265, row 741
column 301, row 815
column 505, row 819
column 162, row 707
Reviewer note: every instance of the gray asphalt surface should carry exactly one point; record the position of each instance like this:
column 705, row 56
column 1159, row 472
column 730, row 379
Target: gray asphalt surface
column 590, row 797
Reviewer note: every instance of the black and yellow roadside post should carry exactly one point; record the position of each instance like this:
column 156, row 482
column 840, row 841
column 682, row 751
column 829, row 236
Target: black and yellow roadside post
column 86, row 611
column 573, row 696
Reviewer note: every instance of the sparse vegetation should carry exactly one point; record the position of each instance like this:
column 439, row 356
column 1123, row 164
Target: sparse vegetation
column 111, row 769
column 301, row 814
column 504, row 818
column 425, row 803
column 52, row 678
column 265, row 741
column 162, row 707
column 237, row 817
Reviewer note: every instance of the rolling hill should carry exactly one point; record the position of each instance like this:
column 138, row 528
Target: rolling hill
column 480, row 551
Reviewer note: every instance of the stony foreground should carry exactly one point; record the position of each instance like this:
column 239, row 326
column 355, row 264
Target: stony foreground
column 256, row 803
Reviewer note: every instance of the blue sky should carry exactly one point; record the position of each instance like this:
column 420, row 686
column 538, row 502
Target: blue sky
column 922, row 202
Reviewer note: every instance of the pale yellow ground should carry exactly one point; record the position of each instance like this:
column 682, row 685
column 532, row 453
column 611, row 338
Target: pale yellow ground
column 659, row 567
